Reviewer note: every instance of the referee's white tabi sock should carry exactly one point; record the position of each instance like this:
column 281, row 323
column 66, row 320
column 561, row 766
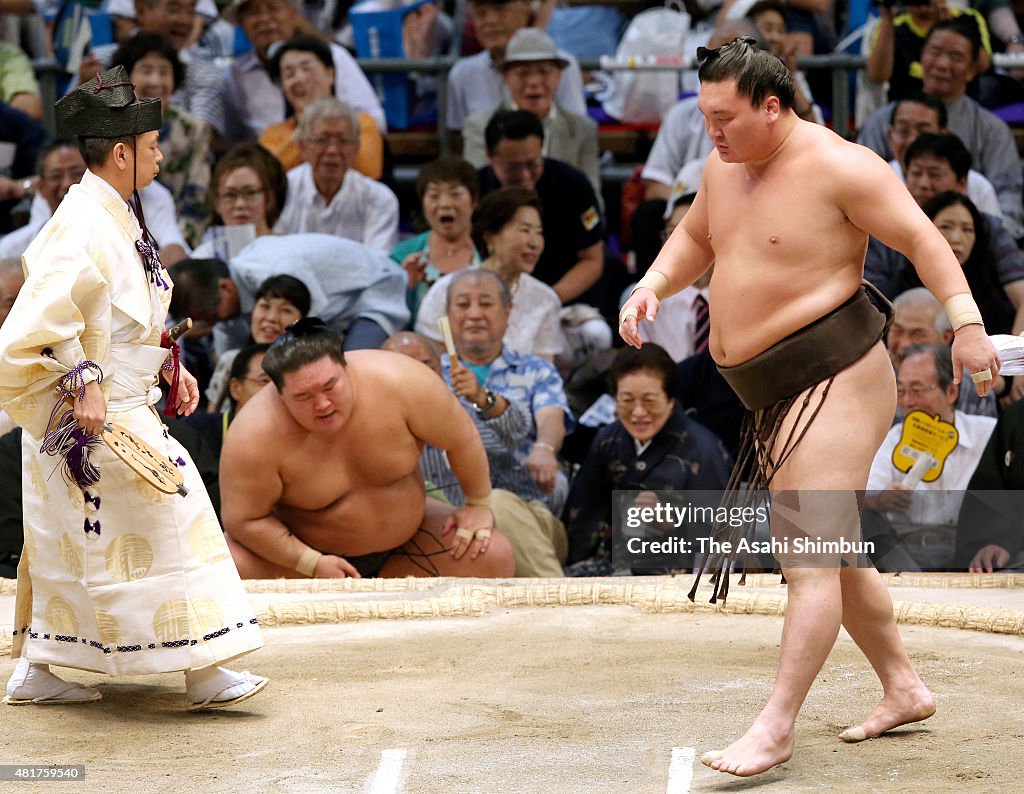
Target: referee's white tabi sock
column 34, row 683
column 216, row 687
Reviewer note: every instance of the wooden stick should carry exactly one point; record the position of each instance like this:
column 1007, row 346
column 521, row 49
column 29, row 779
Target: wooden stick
column 449, row 342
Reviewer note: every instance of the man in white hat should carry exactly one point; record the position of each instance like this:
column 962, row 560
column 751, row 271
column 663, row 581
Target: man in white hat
column 532, row 70
column 115, row 577
column 474, row 82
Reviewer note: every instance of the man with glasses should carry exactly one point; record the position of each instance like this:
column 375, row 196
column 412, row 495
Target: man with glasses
column 923, row 113
column 492, row 380
column 474, row 82
column 521, row 413
column 949, row 61
column 326, row 193
column 532, row 71
column 919, row 319
column 61, row 166
column 924, row 516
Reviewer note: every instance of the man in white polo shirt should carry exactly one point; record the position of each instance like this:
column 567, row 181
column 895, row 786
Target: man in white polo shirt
column 326, row 193
column 924, row 516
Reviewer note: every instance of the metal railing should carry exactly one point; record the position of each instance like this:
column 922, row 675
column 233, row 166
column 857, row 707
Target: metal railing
column 841, row 65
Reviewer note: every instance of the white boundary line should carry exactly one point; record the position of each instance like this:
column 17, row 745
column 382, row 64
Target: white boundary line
column 680, row 771
column 389, row 773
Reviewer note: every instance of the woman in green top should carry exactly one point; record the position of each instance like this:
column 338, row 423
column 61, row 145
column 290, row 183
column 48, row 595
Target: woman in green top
column 448, row 189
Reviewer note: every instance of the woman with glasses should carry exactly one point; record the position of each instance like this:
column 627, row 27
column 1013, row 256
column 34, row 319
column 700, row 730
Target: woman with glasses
column 157, row 72
column 304, row 68
column 249, row 188
column 652, row 447
column 280, row 301
column 359, row 291
column 448, row 189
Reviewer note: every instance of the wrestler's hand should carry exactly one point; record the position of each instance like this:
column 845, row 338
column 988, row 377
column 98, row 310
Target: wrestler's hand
column 973, row 352
column 331, row 566
column 470, row 519
column 542, row 465
column 643, row 303
column 988, row 559
column 91, row 412
column 187, row 399
column 464, row 384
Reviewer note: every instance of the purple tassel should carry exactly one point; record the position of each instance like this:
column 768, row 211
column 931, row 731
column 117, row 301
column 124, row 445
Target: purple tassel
column 92, row 526
column 151, row 262
column 69, row 441
column 181, row 462
column 94, row 501
column 77, row 466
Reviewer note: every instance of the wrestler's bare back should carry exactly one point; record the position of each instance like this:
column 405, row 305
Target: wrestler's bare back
column 785, row 253
column 353, row 490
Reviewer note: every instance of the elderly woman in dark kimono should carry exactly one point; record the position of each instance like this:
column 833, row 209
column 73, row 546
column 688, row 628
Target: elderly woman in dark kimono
column 653, row 446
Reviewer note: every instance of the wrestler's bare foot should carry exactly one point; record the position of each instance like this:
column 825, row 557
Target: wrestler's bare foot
column 757, row 751
column 898, row 708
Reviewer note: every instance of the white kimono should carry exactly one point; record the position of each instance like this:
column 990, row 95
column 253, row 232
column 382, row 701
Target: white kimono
column 122, row 579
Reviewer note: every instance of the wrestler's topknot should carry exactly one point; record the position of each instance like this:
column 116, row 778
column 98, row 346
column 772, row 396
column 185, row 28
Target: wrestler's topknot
column 302, row 343
column 758, row 73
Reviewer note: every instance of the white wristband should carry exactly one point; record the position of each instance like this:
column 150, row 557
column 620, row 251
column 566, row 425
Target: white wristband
column 650, row 281
column 962, row 310
column 307, row 562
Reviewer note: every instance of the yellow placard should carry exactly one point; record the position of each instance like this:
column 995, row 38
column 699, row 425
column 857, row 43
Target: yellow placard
column 925, row 433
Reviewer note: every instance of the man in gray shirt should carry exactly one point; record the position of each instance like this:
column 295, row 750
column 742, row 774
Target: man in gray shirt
column 949, row 62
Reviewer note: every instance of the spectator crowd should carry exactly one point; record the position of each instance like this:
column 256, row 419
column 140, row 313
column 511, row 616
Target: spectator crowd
column 283, row 194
